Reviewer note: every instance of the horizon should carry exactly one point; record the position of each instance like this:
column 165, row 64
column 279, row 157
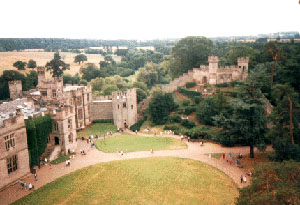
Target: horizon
column 116, row 19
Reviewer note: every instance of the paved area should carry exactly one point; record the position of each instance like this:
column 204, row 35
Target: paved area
column 49, row 173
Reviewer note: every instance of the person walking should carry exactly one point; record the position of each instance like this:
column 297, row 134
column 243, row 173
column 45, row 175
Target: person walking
column 242, row 179
column 189, row 139
column 245, row 179
column 35, row 176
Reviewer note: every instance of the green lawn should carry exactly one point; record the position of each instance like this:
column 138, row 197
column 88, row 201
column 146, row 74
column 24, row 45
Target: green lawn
column 156, row 180
column 130, row 143
column 97, row 129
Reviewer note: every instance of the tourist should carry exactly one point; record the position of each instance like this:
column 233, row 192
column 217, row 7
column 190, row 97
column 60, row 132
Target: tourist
column 209, row 156
column 242, row 179
column 66, row 163
column 30, row 186
column 250, row 173
column 245, row 179
column 181, row 137
column 46, row 161
column 151, row 151
column 223, row 156
column 25, row 185
column 189, row 139
column 35, row 176
column 110, row 133
column 96, row 137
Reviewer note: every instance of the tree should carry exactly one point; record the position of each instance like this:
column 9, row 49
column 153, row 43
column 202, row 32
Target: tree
column 90, row 71
column 31, row 64
column 273, row 183
column 57, row 66
column 189, row 53
column 276, row 55
column 206, row 110
column 160, row 106
column 20, row 65
column 80, row 58
column 148, row 74
column 247, row 125
column 240, row 51
column 31, row 80
column 109, row 88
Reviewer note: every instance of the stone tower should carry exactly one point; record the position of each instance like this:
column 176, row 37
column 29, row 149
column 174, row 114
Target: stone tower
column 15, row 89
column 243, row 65
column 41, row 74
column 124, row 106
column 213, row 69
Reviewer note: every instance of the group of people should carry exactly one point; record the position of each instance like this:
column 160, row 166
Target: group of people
column 30, row 186
column 243, row 179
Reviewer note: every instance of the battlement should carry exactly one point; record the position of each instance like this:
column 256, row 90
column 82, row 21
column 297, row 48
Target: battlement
column 213, row 59
column 13, row 119
column 15, row 82
column 52, row 80
column 127, row 93
column 243, row 60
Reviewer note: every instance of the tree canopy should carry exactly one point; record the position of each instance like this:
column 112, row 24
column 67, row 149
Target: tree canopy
column 80, row 58
column 31, row 64
column 57, row 66
column 20, row 65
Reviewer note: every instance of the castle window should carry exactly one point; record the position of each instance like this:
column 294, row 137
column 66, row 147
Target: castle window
column 124, row 104
column 118, row 106
column 56, row 126
column 12, row 164
column 80, row 114
column 70, row 123
column 70, row 137
column 44, row 93
column 54, row 93
column 9, row 141
column 131, row 106
column 88, row 97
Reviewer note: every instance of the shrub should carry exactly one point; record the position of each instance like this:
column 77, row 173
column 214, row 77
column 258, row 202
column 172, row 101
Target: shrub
column 222, row 85
column 137, row 126
column 185, row 102
column 284, row 150
column 171, row 127
column 190, row 84
column 233, row 94
column 206, row 110
column 189, row 93
column 103, row 121
column 189, row 110
column 174, row 119
column 197, row 99
column 188, row 124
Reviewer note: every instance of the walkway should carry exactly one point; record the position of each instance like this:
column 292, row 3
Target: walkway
column 49, row 173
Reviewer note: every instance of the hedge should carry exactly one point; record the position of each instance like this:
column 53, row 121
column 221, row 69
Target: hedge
column 190, row 84
column 189, row 93
column 197, row 99
column 104, row 121
column 137, row 126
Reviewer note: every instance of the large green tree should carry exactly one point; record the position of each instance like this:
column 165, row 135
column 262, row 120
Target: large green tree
column 57, row 66
column 160, row 106
column 31, row 64
column 80, row 58
column 20, row 65
column 189, row 53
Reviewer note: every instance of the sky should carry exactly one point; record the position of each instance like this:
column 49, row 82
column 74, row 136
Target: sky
column 145, row 19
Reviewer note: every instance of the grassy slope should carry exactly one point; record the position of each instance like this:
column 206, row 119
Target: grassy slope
column 97, row 129
column 131, row 143
column 162, row 180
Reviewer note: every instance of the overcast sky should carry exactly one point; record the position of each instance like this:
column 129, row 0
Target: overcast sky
column 145, row 19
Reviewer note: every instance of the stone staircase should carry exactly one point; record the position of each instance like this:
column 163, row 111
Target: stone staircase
column 47, row 152
column 55, row 153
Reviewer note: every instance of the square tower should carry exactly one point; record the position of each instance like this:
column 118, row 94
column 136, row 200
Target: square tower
column 15, row 89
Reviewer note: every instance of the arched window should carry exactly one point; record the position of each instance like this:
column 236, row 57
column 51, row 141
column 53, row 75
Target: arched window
column 124, row 104
column 131, row 106
column 56, row 126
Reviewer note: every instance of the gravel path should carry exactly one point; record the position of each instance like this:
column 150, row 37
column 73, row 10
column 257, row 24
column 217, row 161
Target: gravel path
column 49, row 173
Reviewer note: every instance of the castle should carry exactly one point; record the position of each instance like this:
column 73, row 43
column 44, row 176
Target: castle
column 72, row 108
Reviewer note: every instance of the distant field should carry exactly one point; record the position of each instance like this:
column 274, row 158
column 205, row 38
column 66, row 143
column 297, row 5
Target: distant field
column 8, row 58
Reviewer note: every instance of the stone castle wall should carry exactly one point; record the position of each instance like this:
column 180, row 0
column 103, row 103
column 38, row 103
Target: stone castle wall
column 101, row 110
column 14, row 125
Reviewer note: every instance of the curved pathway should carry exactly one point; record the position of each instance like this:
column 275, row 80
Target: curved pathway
column 49, row 173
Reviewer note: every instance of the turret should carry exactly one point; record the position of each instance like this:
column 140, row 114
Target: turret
column 15, row 89
column 213, row 64
column 41, row 75
column 243, row 64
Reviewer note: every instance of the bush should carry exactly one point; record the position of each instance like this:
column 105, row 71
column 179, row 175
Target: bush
column 137, row 126
column 189, row 93
column 188, row 124
column 185, row 102
column 103, row 121
column 171, row 127
column 222, row 85
column 206, row 110
column 190, row 84
column 174, row 119
column 189, row 110
column 197, row 99
column 233, row 94
column 284, row 150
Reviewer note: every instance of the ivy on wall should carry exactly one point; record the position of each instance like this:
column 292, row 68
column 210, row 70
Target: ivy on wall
column 38, row 130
